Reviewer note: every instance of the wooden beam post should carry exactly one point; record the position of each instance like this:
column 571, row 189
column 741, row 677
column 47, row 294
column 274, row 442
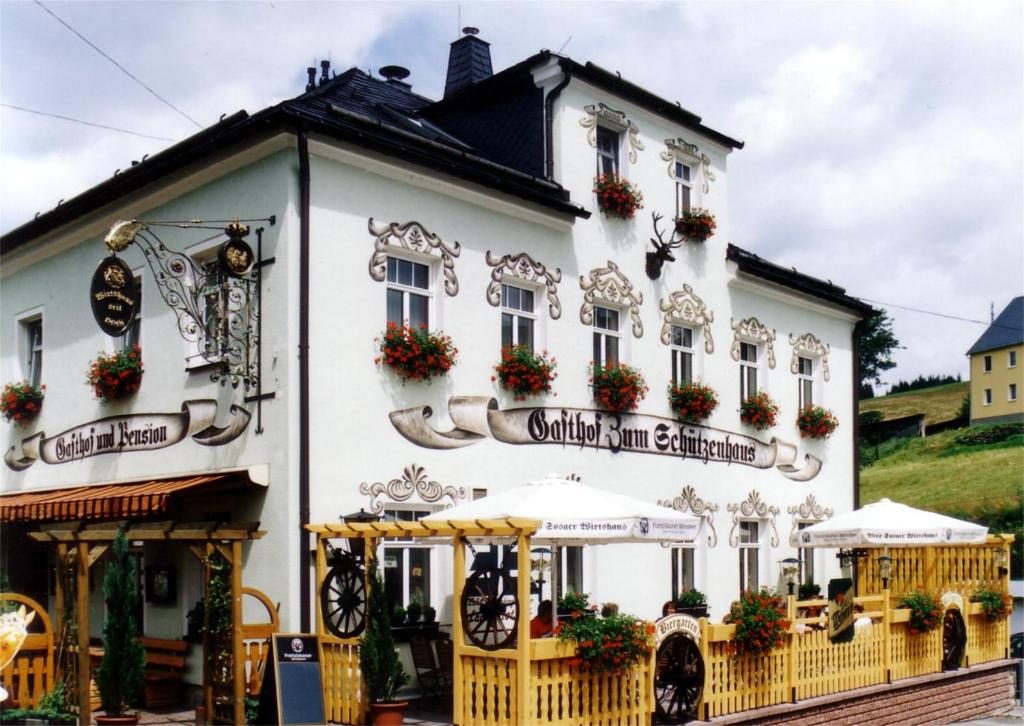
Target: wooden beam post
column 82, row 606
column 321, row 574
column 207, row 668
column 523, row 626
column 237, row 646
column 791, row 648
column 886, row 632
column 58, row 594
column 458, row 639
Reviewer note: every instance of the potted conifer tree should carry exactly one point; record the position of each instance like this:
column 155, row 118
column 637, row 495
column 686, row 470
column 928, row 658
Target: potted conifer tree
column 383, row 673
column 121, row 671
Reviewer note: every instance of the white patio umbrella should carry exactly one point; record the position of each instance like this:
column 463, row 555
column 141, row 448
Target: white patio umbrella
column 891, row 524
column 571, row 513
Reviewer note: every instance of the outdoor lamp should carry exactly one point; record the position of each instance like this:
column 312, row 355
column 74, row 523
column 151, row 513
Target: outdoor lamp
column 999, row 560
column 885, row 570
column 790, row 567
column 362, row 516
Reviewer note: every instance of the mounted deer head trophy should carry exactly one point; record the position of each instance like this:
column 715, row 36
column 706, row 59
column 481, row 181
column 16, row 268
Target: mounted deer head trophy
column 662, row 249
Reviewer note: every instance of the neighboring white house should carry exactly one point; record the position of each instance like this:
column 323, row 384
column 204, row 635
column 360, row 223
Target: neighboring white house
column 474, row 214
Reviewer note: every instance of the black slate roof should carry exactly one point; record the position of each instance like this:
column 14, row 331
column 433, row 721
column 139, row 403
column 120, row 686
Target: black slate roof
column 1005, row 330
column 756, row 266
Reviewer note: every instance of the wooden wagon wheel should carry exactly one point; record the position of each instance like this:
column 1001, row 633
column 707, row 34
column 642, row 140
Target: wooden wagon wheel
column 678, row 679
column 490, row 608
column 343, row 598
column 954, row 640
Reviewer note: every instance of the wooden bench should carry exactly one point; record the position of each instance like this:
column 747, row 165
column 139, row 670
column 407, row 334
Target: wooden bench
column 165, row 667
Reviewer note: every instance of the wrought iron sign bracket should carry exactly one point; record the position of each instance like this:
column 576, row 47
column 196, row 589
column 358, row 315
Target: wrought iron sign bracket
column 217, row 303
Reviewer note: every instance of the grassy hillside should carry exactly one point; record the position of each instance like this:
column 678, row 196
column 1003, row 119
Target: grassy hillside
column 940, row 403
column 983, row 482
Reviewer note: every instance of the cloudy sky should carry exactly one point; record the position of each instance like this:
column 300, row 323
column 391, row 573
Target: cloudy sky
column 883, row 139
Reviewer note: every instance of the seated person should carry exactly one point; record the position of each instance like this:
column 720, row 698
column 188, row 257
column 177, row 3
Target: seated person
column 541, row 624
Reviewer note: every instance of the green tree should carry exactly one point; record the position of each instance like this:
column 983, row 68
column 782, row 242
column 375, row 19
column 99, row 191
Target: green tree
column 877, row 342
column 120, row 674
column 382, row 670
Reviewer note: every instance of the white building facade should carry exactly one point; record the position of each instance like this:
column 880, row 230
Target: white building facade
column 475, row 215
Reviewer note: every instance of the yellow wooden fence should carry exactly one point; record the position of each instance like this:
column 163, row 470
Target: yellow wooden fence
column 343, row 686
column 30, row 675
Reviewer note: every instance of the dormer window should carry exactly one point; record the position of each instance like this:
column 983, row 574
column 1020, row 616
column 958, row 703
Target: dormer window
column 683, row 175
column 607, row 151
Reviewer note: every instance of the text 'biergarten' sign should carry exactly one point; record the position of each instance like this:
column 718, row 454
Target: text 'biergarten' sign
column 135, row 432
column 479, row 417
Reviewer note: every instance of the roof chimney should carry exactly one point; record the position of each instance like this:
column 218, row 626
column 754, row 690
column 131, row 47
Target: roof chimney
column 311, row 83
column 325, row 66
column 469, row 61
column 396, row 75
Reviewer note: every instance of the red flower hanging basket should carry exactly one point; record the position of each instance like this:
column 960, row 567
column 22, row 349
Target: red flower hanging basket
column 759, row 411
column 415, row 354
column 21, row 402
column 116, row 376
column 696, row 225
column 617, row 388
column 617, row 197
column 692, row 401
column 816, row 422
column 524, row 372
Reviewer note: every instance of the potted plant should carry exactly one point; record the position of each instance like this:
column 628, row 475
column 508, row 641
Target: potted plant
column 21, row 402
column 995, row 605
column 117, row 375
column 575, row 605
column 524, row 372
column 692, row 602
column 809, row 590
column 617, row 388
column 925, row 611
column 617, row 197
column 413, row 612
column 816, row 422
column 398, row 616
column 382, row 671
column 696, row 224
column 415, row 354
column 759, row 411
column 120, row 675
column 429, row 615
column 608, row 645
column 760, row 620
column 692, row 401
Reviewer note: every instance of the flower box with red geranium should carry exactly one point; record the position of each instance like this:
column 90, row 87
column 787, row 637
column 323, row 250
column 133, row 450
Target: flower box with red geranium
column 608, row 645
column 415, row 354
column 617, row 388
column 617, row 197
column 995, row 605
column 524, row 372
column 692, row 401
column 117, row 375
column 759, row 411
column 925, row 611
column 816, row 422
column 696, row 225
column 21, row 402
column 760, row 620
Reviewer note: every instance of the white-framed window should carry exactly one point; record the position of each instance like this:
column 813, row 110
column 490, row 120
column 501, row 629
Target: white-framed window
column 408, row 292
column 683, row 175
column 214, row 287
column 32, row 331
column 132, row 335
column 988, row 396
column 748, row 370
column 1012, row 392
column 570, row 570
column 1011, row 359
column 607, row 336
column 987, row 364
column 518, row 321
column 607, row 151
column 682, row 354
column 806, row 556
column 805, row 381
column 684, row 568
column 750, row 554
column 410, row 567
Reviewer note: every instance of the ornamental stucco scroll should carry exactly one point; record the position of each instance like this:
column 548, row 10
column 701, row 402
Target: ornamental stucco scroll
column 752, row 330
column 613, row 119
column 524, row 267
column 414, row 480
column 752, row 507
column 608, row 284
column 688, row 501
column 674, row 148
column 415, row 237
column 685, row 306
column 809, row 346
column 806, row 513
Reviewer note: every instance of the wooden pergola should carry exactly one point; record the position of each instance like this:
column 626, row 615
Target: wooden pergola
column 86, row 545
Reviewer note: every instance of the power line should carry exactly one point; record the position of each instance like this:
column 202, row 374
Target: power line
column 85, row 123
column 939, row 315
column 121, row 67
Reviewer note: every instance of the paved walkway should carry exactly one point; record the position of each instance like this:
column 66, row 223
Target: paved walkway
column 1013, row 718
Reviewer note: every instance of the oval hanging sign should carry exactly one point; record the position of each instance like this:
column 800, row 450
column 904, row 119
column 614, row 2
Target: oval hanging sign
column 113, row 296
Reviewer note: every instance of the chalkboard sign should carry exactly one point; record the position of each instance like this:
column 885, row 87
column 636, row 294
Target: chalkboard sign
column 293, row 691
